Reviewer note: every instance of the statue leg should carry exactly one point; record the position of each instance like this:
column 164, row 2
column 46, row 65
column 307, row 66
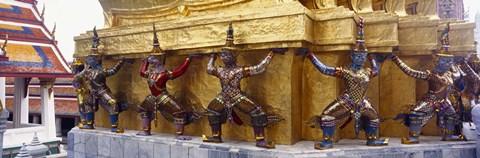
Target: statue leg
column 371, row 128
column 83, row 120
column 418, row 117
column 335, row 111
column 112, row 107
column 145, row 110
column 216, row 117
column 450, row 120
column 179, row 116
column 258, row 120
column 468, row 103
column 89, row 115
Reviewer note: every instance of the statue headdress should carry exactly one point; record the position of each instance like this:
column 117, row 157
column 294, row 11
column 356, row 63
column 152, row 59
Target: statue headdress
column 95, row 43
column 360, row 42
column 445, row 43
column 229, row 45
column 77, row 63
column 156, row 50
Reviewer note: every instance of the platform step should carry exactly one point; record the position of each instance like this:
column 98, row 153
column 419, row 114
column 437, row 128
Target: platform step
column 102, row 143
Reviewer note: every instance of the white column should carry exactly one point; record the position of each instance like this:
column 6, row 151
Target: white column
column 2, row 90
column 58, row 124
column 48, row 107
column 4, row 114
column 20, row 102
column 36, row 119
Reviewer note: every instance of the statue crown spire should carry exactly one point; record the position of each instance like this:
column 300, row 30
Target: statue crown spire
column 360, row 41
column 229, row 45
column 156, row 50
column 445, row 42
column 95, row 42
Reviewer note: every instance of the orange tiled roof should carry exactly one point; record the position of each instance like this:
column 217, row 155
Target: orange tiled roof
column 31, row 49
column 62, row 107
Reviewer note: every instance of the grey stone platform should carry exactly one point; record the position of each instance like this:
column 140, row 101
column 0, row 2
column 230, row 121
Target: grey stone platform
column 101, row 143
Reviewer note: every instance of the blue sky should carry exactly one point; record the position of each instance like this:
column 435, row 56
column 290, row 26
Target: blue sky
column 471, row 6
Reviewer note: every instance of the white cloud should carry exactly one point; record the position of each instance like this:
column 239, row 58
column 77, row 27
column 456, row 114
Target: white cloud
column 73, row 17
column 471, row 6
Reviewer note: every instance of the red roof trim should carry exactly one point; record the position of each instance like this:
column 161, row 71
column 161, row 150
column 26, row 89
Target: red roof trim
column 23, row 39
column 3, row 58
column 28, row 1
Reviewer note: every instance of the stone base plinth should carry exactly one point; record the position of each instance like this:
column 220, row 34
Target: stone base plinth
column 101, row 143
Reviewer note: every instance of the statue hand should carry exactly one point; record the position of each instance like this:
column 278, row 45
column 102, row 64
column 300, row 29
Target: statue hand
column 302, row 51
column 458, row 59
column 195, row 56
column 213, row 55
column 390, row 56
column 280, row 51
column 128, row 60
column 380, row 57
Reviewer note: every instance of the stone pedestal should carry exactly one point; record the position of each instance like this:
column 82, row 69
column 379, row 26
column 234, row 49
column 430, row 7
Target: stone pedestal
column 102, row 143
column 3, row 126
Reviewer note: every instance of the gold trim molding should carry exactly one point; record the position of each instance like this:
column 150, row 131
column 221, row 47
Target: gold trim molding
column 183, row 7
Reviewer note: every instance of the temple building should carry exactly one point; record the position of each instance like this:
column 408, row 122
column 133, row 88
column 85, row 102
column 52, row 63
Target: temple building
column 66, row 108
column 34, row 60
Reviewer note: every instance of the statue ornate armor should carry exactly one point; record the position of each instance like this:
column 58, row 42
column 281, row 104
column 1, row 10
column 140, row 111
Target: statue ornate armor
column 160, row 99
column 99, row 92
column 82, row 90
column 232, row 104
column 352, row 102
column 470, row 94
column 440, row 85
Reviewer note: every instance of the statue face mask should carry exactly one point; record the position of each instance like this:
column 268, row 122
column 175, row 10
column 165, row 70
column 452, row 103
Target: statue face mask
column 92, row 61
column 444, row 64
column 358, row 58
column 78, row 69
column 157, row 64
column 153, row 60
column 228, row 58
